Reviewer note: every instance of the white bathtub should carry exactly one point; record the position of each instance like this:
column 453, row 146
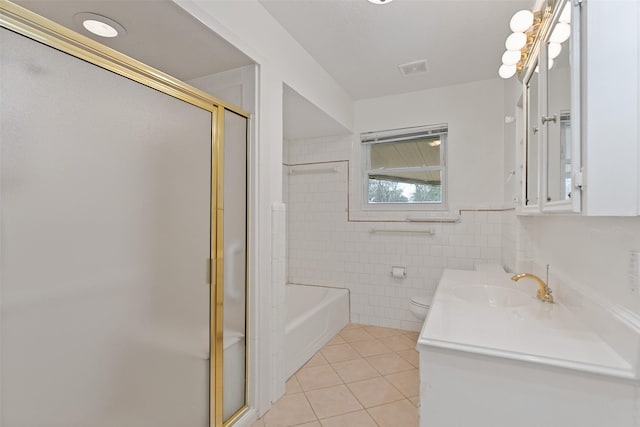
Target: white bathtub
column 315, row 314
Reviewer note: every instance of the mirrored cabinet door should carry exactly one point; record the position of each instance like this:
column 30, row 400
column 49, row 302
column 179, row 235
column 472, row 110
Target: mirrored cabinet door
column 559, row 118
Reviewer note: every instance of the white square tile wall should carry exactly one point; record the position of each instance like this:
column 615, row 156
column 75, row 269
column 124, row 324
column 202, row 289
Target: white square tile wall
column 509, row 240
column 325, row 248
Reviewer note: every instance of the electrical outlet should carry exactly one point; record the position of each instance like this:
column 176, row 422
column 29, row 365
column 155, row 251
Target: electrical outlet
column 634, row 274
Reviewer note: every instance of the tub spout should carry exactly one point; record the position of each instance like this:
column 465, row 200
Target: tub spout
column 544, row 292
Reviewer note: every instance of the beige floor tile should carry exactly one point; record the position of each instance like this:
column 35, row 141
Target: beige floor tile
column 354, row 335
column 412, row 335
column 389, row 363
column 332, row 401
column 311, row 424
column 408, row 382
column 317, row 377
column 380, row 332
column 353, row 419
column 401, row 413
column 289, row 411
column 355, row 370
column 317, row 360
column 352, row 326
column 292, row 386
column 258, row 423
column 370, row 348
column 335, row 340
column 339, row 353
column 374, row 392
column 412, row 356
column 398, row 342
column 415, row 400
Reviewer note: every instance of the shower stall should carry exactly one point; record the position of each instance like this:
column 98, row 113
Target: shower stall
column 123, row 239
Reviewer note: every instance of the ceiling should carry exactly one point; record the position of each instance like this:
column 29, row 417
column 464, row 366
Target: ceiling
column 159, row 33
column 361, row 44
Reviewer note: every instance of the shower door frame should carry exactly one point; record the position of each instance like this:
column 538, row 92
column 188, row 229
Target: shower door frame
column 33, row 26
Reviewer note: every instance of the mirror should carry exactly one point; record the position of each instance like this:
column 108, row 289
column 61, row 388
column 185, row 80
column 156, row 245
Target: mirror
column 558, row 115
column 532, row 139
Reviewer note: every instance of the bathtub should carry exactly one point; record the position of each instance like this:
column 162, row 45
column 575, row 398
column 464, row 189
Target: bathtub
column 315, row 314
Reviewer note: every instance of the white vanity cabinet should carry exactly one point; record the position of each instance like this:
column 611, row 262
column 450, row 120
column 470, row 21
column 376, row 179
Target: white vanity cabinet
column 582, row 138
column 610, row 107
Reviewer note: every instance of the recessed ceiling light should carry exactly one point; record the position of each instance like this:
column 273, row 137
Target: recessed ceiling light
column 99, row 25
column 380, row 1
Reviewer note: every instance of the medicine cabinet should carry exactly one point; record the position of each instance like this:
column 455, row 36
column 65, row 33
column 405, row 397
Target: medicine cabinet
column 551, row 87
column 581, row 92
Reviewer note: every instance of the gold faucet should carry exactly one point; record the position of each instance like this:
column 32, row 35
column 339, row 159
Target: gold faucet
column 544, row 292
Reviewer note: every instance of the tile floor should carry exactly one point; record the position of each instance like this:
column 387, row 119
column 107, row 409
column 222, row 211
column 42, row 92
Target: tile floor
column 367, row 376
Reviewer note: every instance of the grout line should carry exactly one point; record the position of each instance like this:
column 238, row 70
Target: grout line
column 351, row 412
column 311, row 406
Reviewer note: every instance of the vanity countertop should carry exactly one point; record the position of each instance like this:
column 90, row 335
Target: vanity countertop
column 511, row 323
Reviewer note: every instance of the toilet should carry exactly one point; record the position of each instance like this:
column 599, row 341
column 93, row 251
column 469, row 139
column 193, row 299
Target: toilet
column 420, row 307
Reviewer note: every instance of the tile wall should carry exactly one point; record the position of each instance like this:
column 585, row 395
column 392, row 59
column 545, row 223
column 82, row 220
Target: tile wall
column 325, row 248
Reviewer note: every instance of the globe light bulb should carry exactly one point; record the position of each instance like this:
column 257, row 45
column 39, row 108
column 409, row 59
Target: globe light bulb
column 511, row 57
column 521, row 21
column 516, row 41
column 506, row 71
column 553, row 50
column 565, row 16
column 560, row 33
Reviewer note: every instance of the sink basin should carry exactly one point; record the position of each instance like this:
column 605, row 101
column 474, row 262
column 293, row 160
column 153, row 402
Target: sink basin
column 492, row 296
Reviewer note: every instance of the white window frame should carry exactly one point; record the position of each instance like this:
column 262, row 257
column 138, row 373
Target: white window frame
column 367, row 139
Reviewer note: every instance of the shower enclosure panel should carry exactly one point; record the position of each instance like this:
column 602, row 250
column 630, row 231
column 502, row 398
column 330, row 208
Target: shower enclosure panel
column 105, row 232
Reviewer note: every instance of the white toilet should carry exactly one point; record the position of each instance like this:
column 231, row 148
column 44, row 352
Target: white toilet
column 420, row 307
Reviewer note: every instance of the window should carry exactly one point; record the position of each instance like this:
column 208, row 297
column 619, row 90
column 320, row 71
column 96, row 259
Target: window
column 405, row 166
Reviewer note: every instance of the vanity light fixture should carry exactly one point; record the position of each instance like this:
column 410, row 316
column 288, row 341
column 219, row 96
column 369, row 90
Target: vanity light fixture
column 525, row 25
column 99, row 25
column 435, row 143
column 380, row 1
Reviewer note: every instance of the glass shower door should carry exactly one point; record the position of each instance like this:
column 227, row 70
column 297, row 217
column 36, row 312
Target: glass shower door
column 234, row 215
column 105, row 232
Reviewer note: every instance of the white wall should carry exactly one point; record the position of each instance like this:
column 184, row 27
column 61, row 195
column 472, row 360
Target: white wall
column 330, row 246
column 237, row 87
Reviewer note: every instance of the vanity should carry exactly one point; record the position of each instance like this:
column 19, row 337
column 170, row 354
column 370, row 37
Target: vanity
column 492, row 354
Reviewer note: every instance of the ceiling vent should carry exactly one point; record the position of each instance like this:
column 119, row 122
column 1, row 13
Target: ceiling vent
column 415, row 67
